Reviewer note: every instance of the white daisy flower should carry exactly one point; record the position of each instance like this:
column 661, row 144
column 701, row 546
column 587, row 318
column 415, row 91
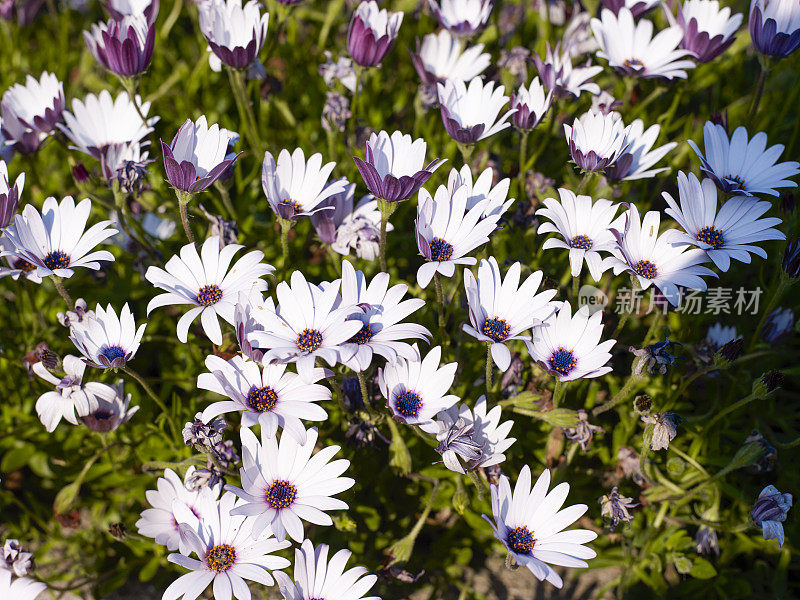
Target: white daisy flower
column 160, row 522
column 462, row 17
column 585, row 229
column 19, row 588
column 637, row 158
column 235, row 32
column 630, row 48
column 72, row 398
column 295, row 188
column 657, row 259
column 9, row 194
column 531, row 104
column 472, row 112
column 316, row 577
column 416, row 390
column 560, row 77
column 481, row 189
column 107, row 340
column 718, row 335
column 228, row 554
column 380, row 310
column 309, row 322
column 472, row 437
column 269, row 396
column 724, row 235
column 501, row 310
column 569, row 347
column 596, row 140
column 110, row 412
column 529, row 522
column 283, row 483
column 204, row 281
column 744, row 167
column 55, row 242
column 443, row 57
column 708, row 30
column 31, row 111
column 446, row 231
column 98, row 124
column 637, row 7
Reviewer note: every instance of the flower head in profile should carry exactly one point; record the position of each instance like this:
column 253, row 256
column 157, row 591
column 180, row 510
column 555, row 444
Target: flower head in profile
column 775, row 27
column 416, row 390
column 284, row 483
column 227, row 552
column 442, row 57
column 727, row 234
column 235, row 32
column 71, row 398
column 482, row 188
column 125, row 46
column 568, row 346
column 110, row 412
column 630, row 48
column 30, row 112
column 380, row 309
column 107, row 340
column 596, row 140
column 615, row 508
column 309, row 322
column 560, row 77
column 317, row 577
column 207, row 282
column 472, row 439
column 708, row 29
column 502, row 309
column 531, row 105
column 584, row 227
column 197, row 156
column 744, row 167
column 9, row 195
column 637, row 7
column 119, row 9
column 395, row 168
column 471, row 112
column 770, row 511
column 160, row 522
column 269, row 396
column 372, row 33
column 529, row 523
column 779, row 324
column 657, row 259
column 296, row 188
column 462, row 18
column 446, row 231
column 639, row 155
column 56, row 240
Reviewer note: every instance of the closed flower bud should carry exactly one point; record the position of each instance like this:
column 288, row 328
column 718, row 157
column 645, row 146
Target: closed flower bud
column 118, row 531
column 731, row 350
column 643, row 404
column 791, row 258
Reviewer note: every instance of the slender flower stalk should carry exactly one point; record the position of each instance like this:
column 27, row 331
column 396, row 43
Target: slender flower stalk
column 59, row 283
column 759, row 91
column 153, row 396
column 183, row 201
column 236, row 78
column 386, row 208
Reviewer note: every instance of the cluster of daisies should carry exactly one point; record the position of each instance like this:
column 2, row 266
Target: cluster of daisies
column 226, row 535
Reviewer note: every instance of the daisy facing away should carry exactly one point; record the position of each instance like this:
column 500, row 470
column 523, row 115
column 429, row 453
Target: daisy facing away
column 725, row 235
column 529, row 523
column 208, row 283
column 502, row 309
column 584, row 227
column 568, row 346
column 284, row 485
column 269, row 396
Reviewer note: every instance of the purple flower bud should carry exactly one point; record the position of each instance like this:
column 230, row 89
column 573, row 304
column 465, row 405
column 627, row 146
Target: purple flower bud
column 80, row 174
column 9, row 195
column 30, row 112
column 770, row 510
column 779, row 323
column 123, row 47
column 531, row 105
column 372, row 33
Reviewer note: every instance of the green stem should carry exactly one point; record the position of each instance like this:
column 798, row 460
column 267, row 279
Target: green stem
column 523, row 156
column 621, row 395
column 149, row 391
column 171, row 18
column 558, row 392
column 59, row 283
column 584, row 180
column 286, row 227
column 488, row 372
column 437, row 283
column 236, row 77
column 729, row 409
column 780, row 288
column 576, row 287
column 226, row 198
column 762, row 79
column 362, row 382
column 402, row 549
column 466, row 151
column 386, row 208
column 183, row 200
column 131, row 84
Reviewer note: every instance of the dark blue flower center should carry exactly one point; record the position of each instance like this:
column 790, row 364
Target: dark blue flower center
column 309, row 340
column 440, row 250
column 363, row 336
column 112, row 353
column 632, row 62
column 408, row 404
column 740, row 185
column 581, row 242
column 562, row 362
column 209, row 294
column 23, row 265
column 711, row 236
column 57, row 259
column 645, row 269
column 262, row 399
column 221, row 557
column 521, row 540
column 496, row 329
column 280, row 494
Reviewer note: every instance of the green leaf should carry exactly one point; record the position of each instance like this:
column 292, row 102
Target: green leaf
column 16, row 458
column 66, row 497
column 400, row 456
column 702, row 569
column 559, row 417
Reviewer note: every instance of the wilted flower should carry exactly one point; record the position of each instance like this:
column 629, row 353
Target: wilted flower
column 768, row 457
column 124, row 47
column 615, row 508
column 372, row 33
column 770, row 510
column 605, row 103
column 13, row 558
column 778, row 325
column 234, row 32
column 665, row 428
column 110, row 413
column 775, row 27
column 202, row 435
column 583, row 433
column 226, row 231
column 131, row 176
column 342, row 71
column 31, row 111
column 335, row 112
column 77, row 315
column 705, row 541
column 442, row 57
column 462, row 17
column 659, row 354
column 630, row 465
column 472, row 112
column 200, row 479
column 516, row 62
column 642, row 404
